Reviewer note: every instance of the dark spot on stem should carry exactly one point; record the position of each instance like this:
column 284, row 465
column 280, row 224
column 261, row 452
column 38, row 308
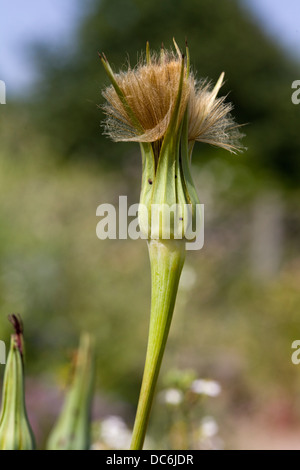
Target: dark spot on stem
column 150, row 181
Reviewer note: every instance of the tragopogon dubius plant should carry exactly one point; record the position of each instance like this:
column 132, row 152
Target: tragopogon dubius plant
column 161, row 105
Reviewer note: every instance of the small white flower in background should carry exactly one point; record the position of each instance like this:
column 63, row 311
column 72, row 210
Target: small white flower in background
column 209, row 427
column 211, row 388
column 172, row 396
column 115, row 433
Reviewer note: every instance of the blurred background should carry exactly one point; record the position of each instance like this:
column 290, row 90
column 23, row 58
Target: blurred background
column 238, row 308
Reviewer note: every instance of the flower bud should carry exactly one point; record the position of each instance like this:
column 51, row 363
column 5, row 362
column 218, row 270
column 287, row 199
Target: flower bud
column 72, row 430
column 15, row 430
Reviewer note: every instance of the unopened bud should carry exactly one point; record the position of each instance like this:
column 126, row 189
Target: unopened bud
column 72, row 430
column 15, row 429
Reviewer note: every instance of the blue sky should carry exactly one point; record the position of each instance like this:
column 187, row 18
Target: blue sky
column 281, row 19
column 23, row 22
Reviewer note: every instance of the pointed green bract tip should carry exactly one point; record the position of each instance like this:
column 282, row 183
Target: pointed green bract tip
column 148, row 56
column 72, row 430
column 15, row 429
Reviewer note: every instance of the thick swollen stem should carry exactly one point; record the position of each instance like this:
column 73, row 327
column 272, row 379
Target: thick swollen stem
column 166, row 258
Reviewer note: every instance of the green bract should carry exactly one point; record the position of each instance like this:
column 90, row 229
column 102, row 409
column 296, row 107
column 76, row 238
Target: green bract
column 15, row 430
column 72, row 430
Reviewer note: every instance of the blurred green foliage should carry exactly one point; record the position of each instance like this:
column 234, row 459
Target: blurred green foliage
column 258, row 76
column 56, row 168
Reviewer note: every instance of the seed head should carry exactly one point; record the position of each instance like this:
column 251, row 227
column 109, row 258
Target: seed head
column 150, row 91
column 161, row 105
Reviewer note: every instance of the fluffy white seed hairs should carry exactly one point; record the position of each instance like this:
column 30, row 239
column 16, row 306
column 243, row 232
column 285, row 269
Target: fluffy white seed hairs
column 151, row 90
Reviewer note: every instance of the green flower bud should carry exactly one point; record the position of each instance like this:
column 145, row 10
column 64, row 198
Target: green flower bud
column 15, row 430
column 72, row 430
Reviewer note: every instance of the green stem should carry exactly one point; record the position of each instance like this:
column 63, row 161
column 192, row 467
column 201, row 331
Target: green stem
column 166, row 258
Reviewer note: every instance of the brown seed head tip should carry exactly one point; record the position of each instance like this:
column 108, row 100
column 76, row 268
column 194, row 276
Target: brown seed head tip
column 17, row 324
column 186, row 42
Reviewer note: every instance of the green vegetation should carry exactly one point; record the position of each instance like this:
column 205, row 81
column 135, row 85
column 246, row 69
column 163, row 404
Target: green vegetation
column 237, row 313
